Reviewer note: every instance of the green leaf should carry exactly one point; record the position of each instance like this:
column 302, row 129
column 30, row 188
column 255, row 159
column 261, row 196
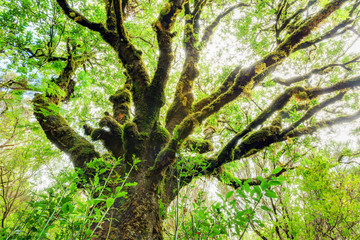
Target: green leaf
column 121, row 194
column 130, row 184
column 246, row 186
column 276, row 170
column 265, row 208
column 67, row 208
column 109, row 202
column 229, row 194
column 271, row 194
column 274, row 183
column 88, row 232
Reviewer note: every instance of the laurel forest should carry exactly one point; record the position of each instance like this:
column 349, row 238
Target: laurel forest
column 179, row 119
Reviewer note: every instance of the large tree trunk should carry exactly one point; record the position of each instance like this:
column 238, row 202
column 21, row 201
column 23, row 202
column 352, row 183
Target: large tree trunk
column 138, row 217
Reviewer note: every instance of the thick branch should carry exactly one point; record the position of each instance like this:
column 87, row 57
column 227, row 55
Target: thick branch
column 128, row 55
column 335, row 31
column 163, row 28
column 183, row 100
column 119, row 19
column 228, row 82
column 258, row 140
column 112, row 138
column 59, row 132
column 121, row 101
column 110, row 15
column 56, row 128
column 266, row 136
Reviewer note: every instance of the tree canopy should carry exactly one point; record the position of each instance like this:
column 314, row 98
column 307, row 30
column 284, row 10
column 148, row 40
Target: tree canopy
column 144, row 97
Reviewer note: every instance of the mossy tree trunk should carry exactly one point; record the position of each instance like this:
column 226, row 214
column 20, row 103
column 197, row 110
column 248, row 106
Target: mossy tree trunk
column 142, row 137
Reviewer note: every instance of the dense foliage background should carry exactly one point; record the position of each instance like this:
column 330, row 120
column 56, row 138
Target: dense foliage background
column 304, row 186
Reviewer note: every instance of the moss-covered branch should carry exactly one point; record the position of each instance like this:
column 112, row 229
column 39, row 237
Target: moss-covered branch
column 245, row 151
column 199, row 146
column 163, row 27
column 121, row 101
column 110, row 15
column 183, row 99
column 227, row 83
column 312, row 111
column 129, row 56
column 281, row 23
column 56, row 128
column 335, row 31
column 59, row 132
column 111, row 137
column 249, row 77
column 119, row 20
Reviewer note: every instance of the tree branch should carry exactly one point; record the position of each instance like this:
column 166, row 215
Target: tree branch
column 327, row 123
column 335, row 31
column 209, row 30
column 321, row 70
column 59, row 132
column 110, row 15
column 56, row 128
column 249, row 77
column 287, row 21
column 183, row 100
column 163, row 28
column 119, row 19
column 234, row 182
column 128, row 54
column 79, row 18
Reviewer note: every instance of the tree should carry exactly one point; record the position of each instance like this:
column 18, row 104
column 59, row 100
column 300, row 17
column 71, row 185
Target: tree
column 160, row 108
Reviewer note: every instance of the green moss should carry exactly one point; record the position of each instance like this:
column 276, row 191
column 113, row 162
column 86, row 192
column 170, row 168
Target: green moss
column 132, row 139
column 166, row 9
column 252, row 151
column 277, row 123
column 160, row 135
column 189, row 28
column 228, row 178
column 200, row 147
column 98, row 134
column 111, row 123
column 82, row 152
column 121, row 96
column 302, row 96
column 259, row 136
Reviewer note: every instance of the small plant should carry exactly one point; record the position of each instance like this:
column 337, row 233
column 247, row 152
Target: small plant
column 62, row 211
column 226, row 218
